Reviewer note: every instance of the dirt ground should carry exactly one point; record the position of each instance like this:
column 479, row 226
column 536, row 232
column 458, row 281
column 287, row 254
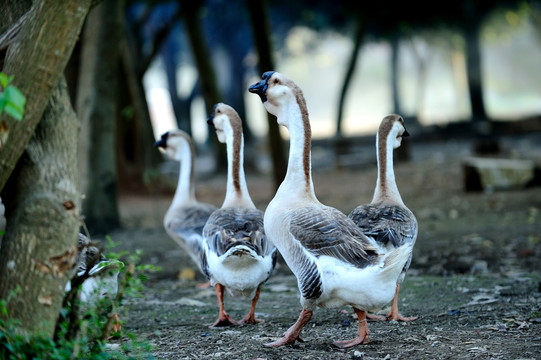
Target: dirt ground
column 475, row 279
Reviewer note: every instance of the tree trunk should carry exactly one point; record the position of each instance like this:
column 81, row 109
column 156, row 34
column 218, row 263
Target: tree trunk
column 357, row 42
column 96, row 106
column 207, row 77
column 42, row 205
column 37, row 59
column 259, row 19
column 403, row 152
column 395, row 46
column 135, row 140
column 473, row 65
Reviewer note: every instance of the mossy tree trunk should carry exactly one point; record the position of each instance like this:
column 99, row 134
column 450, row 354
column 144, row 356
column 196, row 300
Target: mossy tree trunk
column 42, row 198
column 42, row 201
column 97, row 110
column 36, row 59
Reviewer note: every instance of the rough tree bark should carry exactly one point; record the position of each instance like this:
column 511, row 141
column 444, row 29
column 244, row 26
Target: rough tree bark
column 40, row 244
column 36, row 59
column 96, row 107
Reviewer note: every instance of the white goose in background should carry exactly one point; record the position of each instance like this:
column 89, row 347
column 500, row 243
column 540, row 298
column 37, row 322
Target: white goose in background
column 238, row 258
column 186, row 217
column 334, row 262
column 386, row 218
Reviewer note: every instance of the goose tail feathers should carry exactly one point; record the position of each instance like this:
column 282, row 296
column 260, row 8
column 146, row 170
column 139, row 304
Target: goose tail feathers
column 394, row 262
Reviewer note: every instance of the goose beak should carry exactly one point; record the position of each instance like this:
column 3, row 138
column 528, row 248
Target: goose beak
column 260, row 88
column 210, row 120
column 162, row 143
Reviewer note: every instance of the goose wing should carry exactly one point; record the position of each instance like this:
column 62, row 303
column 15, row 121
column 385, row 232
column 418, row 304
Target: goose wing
column 327, row 231
column 386, row 224
column 234, row 226
column 189, row 220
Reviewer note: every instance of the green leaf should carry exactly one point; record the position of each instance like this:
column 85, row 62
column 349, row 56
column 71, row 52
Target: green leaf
column 16, row 113
column 5, row 80
column 15, row 97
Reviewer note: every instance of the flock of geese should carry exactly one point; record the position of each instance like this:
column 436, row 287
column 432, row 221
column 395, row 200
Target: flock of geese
column 358, row 259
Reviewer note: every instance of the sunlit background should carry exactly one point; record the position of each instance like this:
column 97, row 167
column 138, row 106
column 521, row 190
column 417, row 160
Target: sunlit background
column 511, row 56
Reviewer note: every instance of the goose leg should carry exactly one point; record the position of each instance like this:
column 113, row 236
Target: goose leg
column 250, row 318
column 223, row 318
column 394, row 314
column 362, row 332
column 294, row 332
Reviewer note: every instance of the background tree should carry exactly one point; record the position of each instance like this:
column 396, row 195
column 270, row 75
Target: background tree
column 259, row 20
column 96, row 106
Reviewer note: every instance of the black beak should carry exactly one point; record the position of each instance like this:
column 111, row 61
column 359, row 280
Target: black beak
column 260, row 88
column 163, row 141
column 210, row 120
column 406, row 133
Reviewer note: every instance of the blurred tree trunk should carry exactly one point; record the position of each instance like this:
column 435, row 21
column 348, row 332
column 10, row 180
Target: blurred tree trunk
column 207, row 76
column 421, row 62
column 96, row 106
column 135, row 134
column 395, row 46
column 403, row 152
column 181, row 106
column 36, row 59
column 42, row 202
column 473, row 63
column 357, row 42
column 261, row 32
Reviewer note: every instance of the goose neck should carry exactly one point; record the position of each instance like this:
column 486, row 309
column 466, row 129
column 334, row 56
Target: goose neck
column 236, row 190
column 298, row 177
column 386, row 188
column 185, row 191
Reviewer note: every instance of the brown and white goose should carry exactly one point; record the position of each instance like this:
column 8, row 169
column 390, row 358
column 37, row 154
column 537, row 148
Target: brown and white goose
column 186, row 216
column 238, row 256
column 334, row 262
column 386, row 218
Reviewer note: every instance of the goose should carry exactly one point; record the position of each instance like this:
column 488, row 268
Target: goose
column 238, row 255
column 96, row 274
column 186, row 216
column 334, row 262
column 386, row 218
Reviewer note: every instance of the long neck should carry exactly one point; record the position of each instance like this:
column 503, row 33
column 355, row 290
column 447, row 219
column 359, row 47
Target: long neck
column 237, row 191
column 298, row 179
column 185, row 192
column 386, row 189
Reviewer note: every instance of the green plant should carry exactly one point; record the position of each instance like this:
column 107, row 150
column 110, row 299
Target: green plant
column 83, row 329
column 12, row 100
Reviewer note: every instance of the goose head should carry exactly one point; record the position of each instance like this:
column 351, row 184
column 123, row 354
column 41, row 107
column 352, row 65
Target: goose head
column 278, row 93
column 226, row 122
column 392, row 127
column 174, row 143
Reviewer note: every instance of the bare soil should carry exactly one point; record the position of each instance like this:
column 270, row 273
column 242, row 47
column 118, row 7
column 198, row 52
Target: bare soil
column 475, row 279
